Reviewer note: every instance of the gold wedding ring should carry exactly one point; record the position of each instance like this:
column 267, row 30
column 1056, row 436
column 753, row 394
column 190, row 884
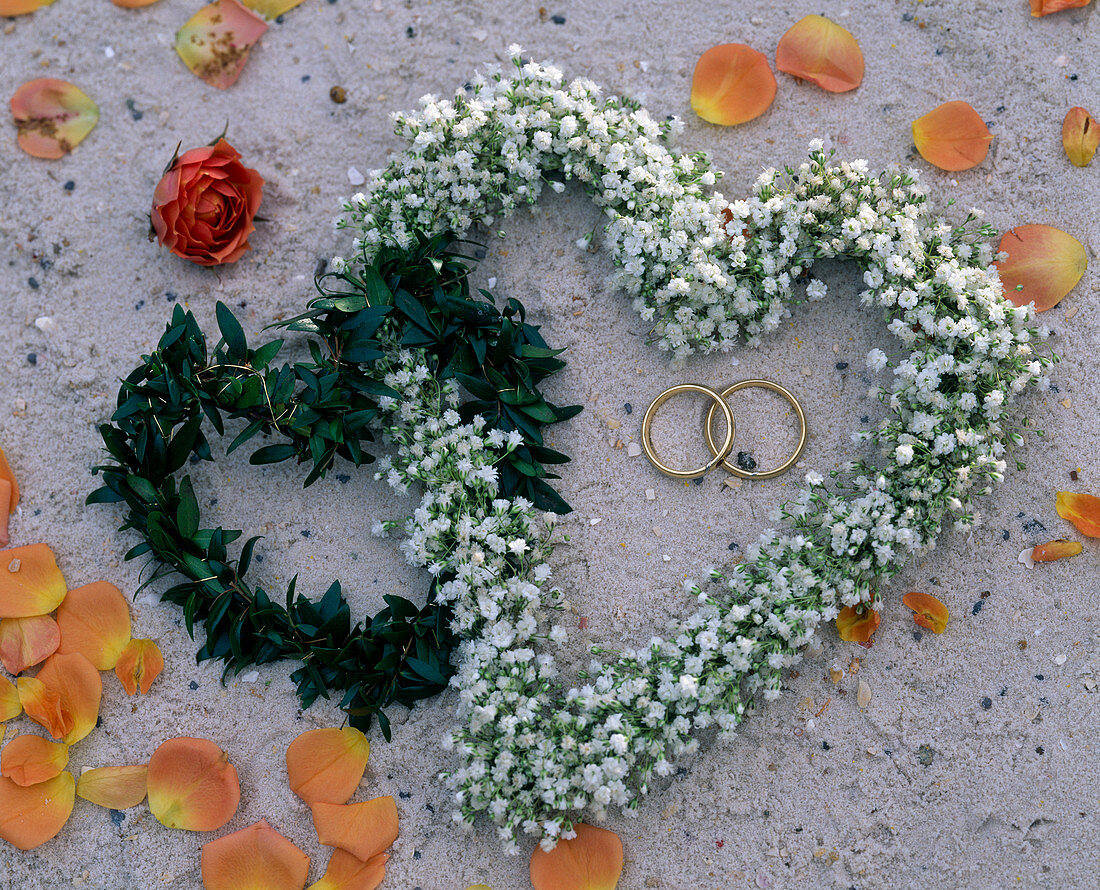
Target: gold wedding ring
column 756, row 474
column 719, row 453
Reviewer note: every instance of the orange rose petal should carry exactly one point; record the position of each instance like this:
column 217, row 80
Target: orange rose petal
column 1043, row 265
column 21, row 7
column 822, row 52
column 929, row 612
column 857, row 627
column 326, row 765
column 27, row 641
column 593, row 860
column 133, row 4
column 10, row 705
column 1053, row 550
column 1046, row 7
column 53, row 117
column 732, row 84
column 192, row 785
column 115, row 787
column 30, row 581
column 216, row 41
column 95, row 621
column 7, row 475
column 254, row 858
column 1083, row 510
column 363, row 829
column 80, row 689
column 5, row 511
column 345, row 872
column 271, row 9
column 43, row 705
column 139, row 665
column 952, row 137
column 30, row 816
column 30, row 759
column 1080, row 136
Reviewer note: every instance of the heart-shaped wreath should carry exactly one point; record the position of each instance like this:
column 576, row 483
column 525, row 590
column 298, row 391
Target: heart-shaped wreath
column 399, row 336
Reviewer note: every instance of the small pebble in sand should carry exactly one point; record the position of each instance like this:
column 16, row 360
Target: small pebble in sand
column 863, row 694
column 595, row 520
column 44, row 323
column 250, row 677
column 633, row 449
column 925, row 755
column 987, row 703
column 745, row 460
column 192, row 685
column 628, row 408
column 1059, row 660
column 338, row 95
column 650, row 494
column 355, row 177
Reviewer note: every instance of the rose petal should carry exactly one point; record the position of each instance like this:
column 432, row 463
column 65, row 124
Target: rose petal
column 593, row 860
column 952, row 136
column 1080, row 136
column 133, row 4
column 326, row 765
column 1046, row 7
column 27, row 641
column 95, row 621
column 1053, row 550
column 79, row 688
column 5, row 511
column 1043, row 265
column 929, row 612
column 271, row 9
column 53, row 117
column 857, row 627
column 346, row 872
column 115, row 787
column 1083, row 510
column 10, row 705
column 43, row 706
column 139, row 665
column 9, row 476
column 30, row 759
column 216, row 41
column 31, row 816
column 732, row 84
column 21, row 7
column 254, row 858
column 192, row 785
column 30, row 581
column 363, row 829
column 822, row 52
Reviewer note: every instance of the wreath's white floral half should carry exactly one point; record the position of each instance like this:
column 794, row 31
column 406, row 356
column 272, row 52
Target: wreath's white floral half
column 707, row 272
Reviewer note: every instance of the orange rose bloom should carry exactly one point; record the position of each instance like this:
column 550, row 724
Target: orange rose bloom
column 204, row 206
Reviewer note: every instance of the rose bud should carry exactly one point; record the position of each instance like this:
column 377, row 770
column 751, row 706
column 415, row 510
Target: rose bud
column 204, row 205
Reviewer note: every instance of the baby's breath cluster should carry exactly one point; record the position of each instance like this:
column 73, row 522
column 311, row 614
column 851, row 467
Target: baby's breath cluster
column 532, row 753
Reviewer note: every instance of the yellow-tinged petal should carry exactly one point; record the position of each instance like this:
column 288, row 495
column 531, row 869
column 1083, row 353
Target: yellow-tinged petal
column 192, row 785
column 30, row 759
column 1046, row 7
column 1083, row 510
column 952, row 136
column 732, row 84
column 25, row 642
column 139, row 665
column 326, row 765
column 116, row 787
column 593, row 860
column 43, row 706
column 216, row 41
column 1043, row 265
column 30, row 581
column 21, row 7
column 1080, row 136
column 346, row 872
column 52, row 116
column 821, row 51
column 95, row 621
column 857, row 626
column 254, row 858
column 270, row 9
column 80, row 689
column 7, row 475
column 30, row 816
column 1053, row 550
column 5, row 512
column 10, row 706
column 928, row 611
column 363, row 829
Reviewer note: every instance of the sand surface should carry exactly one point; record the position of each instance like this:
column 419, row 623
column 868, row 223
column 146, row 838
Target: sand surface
column 975, row 763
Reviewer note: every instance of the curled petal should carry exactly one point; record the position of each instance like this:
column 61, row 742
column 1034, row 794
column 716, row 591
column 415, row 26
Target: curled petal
column 254, row 858
column 21, row 7
column 857, row 626
column 270, row 9
column 593, row 860
column 10, row 706
column 1083, row 510
column 139, row 665
column 43, row 706
column 7, row 475
column 30, row 816
column 1053, row 550
column 363, row 829
column 192, row 785
column 952, row 136
column 1046, row 7
column 27, row 641
column 216, row 41
column 822, row 52
column 79, row 689
column 326, row 765
column 345, row 872
column 1080, row 136
column 53, row 117
column 928, row 611
column 133, row 4
column 30, row 759
column 5, row 512
column 116, row 787
column 1043, row 265
column 95, row 621
column 732, row 84
column 30, row 581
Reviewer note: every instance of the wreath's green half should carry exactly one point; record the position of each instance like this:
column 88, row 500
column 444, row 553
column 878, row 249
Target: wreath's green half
column 322, row 408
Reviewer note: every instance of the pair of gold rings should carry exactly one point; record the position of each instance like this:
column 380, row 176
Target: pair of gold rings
column 720, row 452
